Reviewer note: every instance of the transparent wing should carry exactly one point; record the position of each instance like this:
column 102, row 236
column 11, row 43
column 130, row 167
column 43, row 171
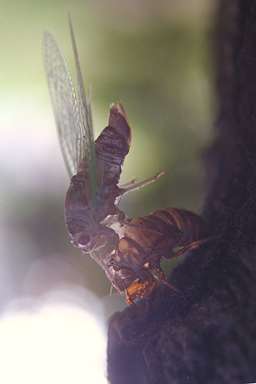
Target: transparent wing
column 72, row 111
column 65, row 105
column 87, row 145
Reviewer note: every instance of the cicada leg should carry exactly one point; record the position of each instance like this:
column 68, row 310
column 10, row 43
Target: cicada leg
column 191, row 246
column 159, row 275
column 128, row 298
column 127, row 185
column 111, row 289
column 133, row 185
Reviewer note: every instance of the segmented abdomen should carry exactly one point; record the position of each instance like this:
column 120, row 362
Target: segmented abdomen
column 112, row 145
column 190, row 225
column 154, row 236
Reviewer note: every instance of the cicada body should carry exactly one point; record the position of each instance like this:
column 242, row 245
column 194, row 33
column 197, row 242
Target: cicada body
column 144, row 241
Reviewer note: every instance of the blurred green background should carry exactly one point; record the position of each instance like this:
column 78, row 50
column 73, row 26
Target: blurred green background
column 152, row 56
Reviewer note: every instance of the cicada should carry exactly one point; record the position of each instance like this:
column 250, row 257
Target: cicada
column 128, row 249
column 94, row 166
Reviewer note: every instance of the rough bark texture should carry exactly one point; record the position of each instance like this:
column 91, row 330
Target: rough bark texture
column 207, row 333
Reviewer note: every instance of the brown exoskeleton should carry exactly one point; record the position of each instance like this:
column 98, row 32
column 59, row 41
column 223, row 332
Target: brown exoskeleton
column 144, row 241
column 129, row 250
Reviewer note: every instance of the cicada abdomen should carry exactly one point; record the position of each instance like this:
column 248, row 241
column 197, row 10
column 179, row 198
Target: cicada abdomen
column 145, row 241
column 112, row 145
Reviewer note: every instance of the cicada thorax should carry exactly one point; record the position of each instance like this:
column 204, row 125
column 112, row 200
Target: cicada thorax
column 84, row 228
column 77, row 204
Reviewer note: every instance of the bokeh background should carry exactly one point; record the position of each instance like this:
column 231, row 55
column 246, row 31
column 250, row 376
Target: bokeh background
column 154, row 57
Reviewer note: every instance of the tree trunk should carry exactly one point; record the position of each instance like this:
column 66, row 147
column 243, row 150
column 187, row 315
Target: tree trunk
column 207, row 332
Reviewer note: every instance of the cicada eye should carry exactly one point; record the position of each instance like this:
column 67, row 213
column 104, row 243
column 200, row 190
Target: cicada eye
column 83, row 240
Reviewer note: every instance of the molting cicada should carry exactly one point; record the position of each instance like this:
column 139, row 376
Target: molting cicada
column 128, row 249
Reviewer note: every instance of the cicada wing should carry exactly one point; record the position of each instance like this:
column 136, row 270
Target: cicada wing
column 87, row 145
column 64, row 102
column 72, row 111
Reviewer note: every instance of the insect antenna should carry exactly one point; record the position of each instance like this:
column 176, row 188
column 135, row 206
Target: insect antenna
column 111, row 289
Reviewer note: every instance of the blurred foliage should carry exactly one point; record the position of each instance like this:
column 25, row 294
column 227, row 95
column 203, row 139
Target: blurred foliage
column 154, row 58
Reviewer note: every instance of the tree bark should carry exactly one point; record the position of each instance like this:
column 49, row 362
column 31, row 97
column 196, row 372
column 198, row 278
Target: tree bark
column 206, row 333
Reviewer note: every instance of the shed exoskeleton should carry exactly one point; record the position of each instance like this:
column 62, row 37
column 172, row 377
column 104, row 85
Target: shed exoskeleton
column 144, row 241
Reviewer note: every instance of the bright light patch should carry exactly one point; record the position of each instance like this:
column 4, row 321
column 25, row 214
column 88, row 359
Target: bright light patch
column 57, row 344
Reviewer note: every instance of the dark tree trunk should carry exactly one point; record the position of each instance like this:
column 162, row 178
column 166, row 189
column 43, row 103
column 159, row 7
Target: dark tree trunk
column 207, row 333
